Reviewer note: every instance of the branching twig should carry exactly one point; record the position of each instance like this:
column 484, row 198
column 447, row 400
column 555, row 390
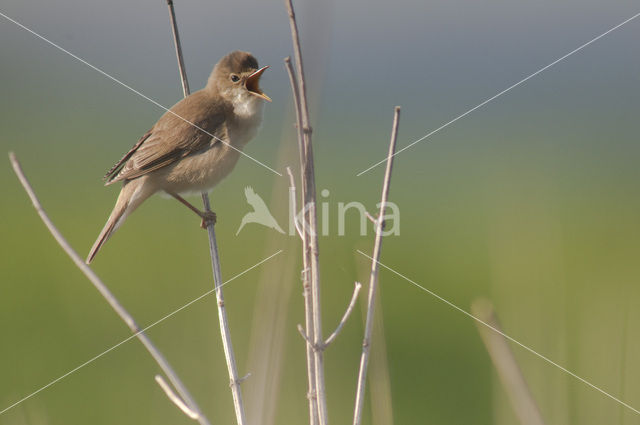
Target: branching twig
column 505, row 363
column 306, row 282
column 175, row 399
column 373, row 277
column 108, row 296
column 347, row 313
column 294, row 206
column 304, row 335
column 311, row 284
column 296, row 103
column 215, row 259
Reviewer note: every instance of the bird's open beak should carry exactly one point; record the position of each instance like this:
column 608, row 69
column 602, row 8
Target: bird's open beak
column 253, row 84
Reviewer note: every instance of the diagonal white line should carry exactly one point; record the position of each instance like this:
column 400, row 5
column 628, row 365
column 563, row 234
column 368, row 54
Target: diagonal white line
column 532, row 351
column 91, row 360
column 109, row 76
column 577, row 49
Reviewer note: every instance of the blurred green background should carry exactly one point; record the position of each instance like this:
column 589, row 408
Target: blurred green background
column 531, row 201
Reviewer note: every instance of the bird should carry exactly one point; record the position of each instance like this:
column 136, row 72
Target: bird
column 260, row 213
column 194, row 145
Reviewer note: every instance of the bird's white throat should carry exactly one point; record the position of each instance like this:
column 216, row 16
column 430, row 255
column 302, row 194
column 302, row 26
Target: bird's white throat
column 247, row 106
column 247, row 109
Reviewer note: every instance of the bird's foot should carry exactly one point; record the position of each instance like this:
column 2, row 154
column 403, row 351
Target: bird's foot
column 208, row 217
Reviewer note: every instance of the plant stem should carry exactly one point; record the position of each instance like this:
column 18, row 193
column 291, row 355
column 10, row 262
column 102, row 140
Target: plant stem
column 225, row 332
column 178, row 46
column 373, row 277
column 108, row 296
column 310, row 244
column 513, row 381
column 308, row 317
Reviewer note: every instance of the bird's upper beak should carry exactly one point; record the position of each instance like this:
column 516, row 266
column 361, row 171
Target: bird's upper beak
column 253, row 84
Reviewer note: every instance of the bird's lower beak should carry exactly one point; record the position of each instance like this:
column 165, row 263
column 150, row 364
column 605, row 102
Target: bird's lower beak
column 253, row 84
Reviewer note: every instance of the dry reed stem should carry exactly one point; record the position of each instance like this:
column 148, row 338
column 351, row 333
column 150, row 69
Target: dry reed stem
column 302, row 230
column 373, row 277
column 505, row 363
column 309, row 205
column 308, row 262
column 175, row 399
column 225, row 332
column 345, row 316
column 380, row 382
column 108, row 296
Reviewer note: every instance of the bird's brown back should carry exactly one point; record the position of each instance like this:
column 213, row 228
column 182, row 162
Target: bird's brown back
column 185, row 129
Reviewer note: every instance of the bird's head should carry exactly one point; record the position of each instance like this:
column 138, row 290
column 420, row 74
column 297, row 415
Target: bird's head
column 237, row 78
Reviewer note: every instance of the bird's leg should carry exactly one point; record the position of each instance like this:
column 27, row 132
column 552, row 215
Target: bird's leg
column 206, row 216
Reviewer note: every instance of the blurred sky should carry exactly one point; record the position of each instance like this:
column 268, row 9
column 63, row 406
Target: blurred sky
column 532, row 200
column 436, row 59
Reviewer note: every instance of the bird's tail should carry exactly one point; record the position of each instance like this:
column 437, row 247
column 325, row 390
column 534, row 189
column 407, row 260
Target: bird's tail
column 128, row 200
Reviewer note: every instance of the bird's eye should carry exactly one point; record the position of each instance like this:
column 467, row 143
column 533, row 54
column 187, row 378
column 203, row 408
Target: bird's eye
column 235, row 78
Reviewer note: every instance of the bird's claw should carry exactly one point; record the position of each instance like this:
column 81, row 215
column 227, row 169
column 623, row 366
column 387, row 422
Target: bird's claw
column 208, row 217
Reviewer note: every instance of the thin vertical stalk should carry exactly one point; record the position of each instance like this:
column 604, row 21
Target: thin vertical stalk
column 178, row 46
column 518, row 392
column 380, row 382
column 108, row 296
column 310, row 245
column 373, row 277
column 225, row 332
column 308, row 308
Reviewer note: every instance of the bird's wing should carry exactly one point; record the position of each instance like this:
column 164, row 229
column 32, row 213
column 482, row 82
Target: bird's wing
column 115, row 170
column 183, row 131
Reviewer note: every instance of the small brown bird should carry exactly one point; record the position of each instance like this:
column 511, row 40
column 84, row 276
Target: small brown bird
column 194, row 145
